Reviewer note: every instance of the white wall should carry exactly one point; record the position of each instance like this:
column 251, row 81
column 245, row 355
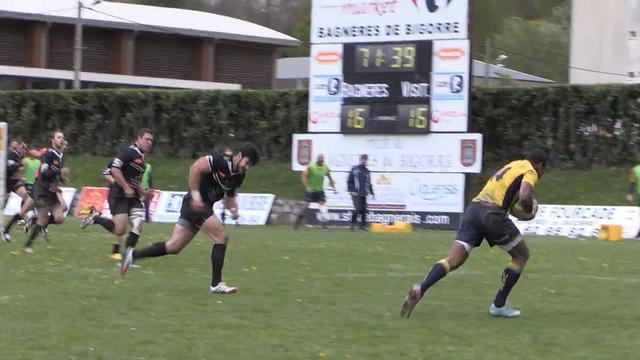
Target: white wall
column 600, row 40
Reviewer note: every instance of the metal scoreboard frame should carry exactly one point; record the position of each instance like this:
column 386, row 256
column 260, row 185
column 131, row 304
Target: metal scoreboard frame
column 382, row 67
column 392, row 79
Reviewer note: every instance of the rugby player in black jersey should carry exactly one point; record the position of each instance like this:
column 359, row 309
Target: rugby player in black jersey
column 211, row 178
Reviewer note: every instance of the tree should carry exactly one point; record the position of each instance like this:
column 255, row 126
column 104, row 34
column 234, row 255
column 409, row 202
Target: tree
column 488, row 15
column 302, row 32
column 538, row 47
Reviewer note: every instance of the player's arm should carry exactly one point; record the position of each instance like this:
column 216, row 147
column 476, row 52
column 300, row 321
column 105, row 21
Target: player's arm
column 369, row 186
column 48, row 170
column 526, row 190
column 106, row 175
column 65, row 172
column 331, row 182
column 351, row 182
column 231, row 203
column 304, row 177
column 108, row 178
column 13, row 164
column 199, row 167
column 118, row 176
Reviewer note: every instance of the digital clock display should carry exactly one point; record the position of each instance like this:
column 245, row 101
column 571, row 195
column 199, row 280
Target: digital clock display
column 386, row 88
column 385, row 58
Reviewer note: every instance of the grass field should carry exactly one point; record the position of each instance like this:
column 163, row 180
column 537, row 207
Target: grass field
column 313, row 294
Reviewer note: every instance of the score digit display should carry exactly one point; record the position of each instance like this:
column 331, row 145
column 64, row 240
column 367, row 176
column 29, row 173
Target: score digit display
column 385, row 58
column 413, row 118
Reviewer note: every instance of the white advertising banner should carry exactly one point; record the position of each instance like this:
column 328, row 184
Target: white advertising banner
column 436, row 153
column 14, row 202
column 341, row 21
column 254, row 208
column 422, row 192
column 581, row 220
column 450, row 86
column 168, row 207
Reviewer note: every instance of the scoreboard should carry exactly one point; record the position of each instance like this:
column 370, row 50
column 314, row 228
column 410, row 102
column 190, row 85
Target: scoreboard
column 386, row 88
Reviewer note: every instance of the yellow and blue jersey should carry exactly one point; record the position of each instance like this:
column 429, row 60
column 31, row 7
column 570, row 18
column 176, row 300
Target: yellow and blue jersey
column 503, row 187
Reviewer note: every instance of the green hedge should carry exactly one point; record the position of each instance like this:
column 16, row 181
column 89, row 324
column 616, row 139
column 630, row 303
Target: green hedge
column 187, row 123
column 579, row 125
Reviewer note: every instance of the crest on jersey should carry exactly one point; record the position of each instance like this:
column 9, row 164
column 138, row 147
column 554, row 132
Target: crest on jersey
column 304, row 152
column 468, row 149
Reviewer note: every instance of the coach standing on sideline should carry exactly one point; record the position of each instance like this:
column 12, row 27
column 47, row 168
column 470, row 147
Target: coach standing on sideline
column 359, row 186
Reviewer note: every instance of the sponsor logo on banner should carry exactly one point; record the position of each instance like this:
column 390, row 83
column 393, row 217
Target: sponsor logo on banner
column 447, row 115
column 468, row 152
column 448, row 54
column 327, row 88
column 402, row 192
column 305, row 151
column 95, row 197
column 431, row 5
column 577, row 220
column 328, row 57
column 379, row 7
column 318, row 117
column 448, row 86
column 432, row 192
column 419, row 219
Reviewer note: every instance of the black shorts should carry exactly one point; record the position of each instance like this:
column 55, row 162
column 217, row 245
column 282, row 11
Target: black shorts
column 192, row 219
column 120, row 205
column 45, row 199
column 29, row 189
column 480, row 221
column 314, row 196
column 14, row 184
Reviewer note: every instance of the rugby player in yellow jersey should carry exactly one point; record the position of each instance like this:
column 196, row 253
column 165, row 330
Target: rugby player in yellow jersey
column 486, row 218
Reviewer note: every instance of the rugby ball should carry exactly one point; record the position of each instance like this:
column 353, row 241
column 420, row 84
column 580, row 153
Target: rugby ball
column 518, row 212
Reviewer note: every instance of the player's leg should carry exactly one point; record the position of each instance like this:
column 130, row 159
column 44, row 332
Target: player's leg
column 27, row 204
column 511, row 274
column 363, row 212
column 95, row 217
column 180, row 237
column 519, row 252
column 136, row 217
column 506, row 235
column 57, row 213
column 43, row 206
column 321, row 199
column 185, row 229
column 356, row 211
column 215, row 230
column 469, row 236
